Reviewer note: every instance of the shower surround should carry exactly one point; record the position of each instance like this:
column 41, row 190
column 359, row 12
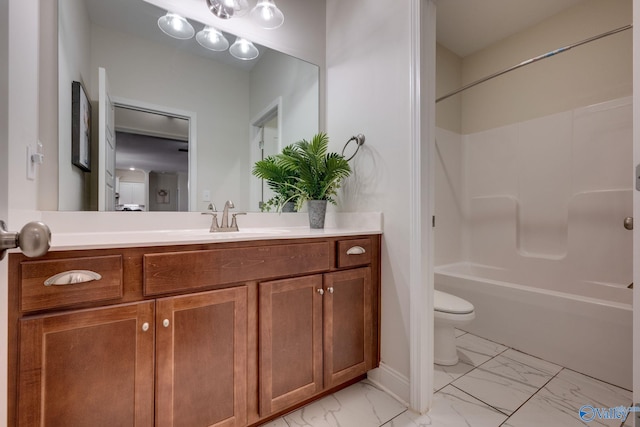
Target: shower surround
column 540, row 205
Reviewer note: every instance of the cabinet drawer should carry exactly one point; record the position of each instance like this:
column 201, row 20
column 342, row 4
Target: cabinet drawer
column 178, row 271
column 353, row 252
column 35, row 295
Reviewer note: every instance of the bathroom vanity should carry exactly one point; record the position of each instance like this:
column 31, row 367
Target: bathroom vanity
column 225, row 333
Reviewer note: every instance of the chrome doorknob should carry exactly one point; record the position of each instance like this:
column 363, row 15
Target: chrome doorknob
column 628, row 223
column 34, row 239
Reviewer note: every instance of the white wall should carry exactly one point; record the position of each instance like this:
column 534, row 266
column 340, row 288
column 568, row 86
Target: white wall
column 74, row 49
column 449, row 197
column 585, row 75
column 368, row 91
column 48, row 88
column 296, row 84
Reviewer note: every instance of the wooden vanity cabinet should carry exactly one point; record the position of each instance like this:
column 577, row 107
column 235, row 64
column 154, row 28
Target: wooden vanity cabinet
column 316, row 332
column 90, row 367
column 201, row 359
column 148, row 346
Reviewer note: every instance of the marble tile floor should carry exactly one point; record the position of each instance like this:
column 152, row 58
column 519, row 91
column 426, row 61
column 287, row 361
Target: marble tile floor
column 491, row 386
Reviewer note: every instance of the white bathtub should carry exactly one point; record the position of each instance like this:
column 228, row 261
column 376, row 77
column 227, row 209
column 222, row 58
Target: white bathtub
column 590, row 332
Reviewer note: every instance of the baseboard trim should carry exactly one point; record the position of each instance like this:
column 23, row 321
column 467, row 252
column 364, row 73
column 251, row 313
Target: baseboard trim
column 392, row 382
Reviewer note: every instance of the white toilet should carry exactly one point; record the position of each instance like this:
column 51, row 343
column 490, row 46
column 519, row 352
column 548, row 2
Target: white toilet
column 450, row 312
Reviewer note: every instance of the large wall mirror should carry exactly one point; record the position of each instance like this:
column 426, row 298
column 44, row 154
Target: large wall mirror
column 186, row 123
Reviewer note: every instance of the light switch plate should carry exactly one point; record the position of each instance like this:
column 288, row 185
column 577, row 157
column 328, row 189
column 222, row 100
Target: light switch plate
column 31, row 166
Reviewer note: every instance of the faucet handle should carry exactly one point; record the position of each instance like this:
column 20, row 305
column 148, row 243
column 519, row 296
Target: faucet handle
column 234, row 223
column 214, row 220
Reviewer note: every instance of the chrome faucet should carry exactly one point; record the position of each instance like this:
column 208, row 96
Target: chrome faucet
column 225, row 214
column 224, row 223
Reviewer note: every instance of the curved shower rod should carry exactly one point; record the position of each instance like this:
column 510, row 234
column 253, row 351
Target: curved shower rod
column 532, row 60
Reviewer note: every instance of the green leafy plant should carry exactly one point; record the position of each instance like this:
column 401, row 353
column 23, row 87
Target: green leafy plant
column 320, row 173
column 280, row 178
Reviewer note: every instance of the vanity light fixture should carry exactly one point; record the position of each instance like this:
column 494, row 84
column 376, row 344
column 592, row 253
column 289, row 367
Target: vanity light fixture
column 243, row 49
column 176, row 26
column 226, row 9
column 212, row 39
column 267, row 15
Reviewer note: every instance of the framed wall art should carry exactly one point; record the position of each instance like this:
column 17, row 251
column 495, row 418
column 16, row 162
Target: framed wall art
column 80, row 127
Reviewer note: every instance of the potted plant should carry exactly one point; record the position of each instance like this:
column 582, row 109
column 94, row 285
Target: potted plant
column 282, row 180
column 319, row 175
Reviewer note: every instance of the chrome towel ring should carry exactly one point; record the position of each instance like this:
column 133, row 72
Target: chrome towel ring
column 359, row 139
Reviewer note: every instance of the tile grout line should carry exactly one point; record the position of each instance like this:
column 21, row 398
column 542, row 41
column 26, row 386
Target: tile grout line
column 393, row 418
column 480, row 400
column 531, row 397
column 599, row 380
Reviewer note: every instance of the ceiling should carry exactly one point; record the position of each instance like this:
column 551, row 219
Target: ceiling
column 466, row 26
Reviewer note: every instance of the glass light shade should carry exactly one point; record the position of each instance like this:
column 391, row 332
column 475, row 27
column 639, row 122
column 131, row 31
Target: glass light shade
column 176, row 26
column 212, row 39
column 240, row 7
column 243, row 49
column 267, row 15
column 221, row 8
column 226, row 9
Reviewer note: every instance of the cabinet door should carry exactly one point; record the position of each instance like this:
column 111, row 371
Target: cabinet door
column 290, row 349
column 348, row 325
column 87, row 368
column 201, row 356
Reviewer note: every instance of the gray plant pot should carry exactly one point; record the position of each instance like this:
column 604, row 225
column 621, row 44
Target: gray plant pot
column 289, row 207
column 317, row 211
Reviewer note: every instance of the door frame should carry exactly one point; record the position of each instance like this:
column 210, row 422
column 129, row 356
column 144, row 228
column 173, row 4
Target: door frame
column 191, row 116
column 271, row 110
column 421, row 351
column 636, row 205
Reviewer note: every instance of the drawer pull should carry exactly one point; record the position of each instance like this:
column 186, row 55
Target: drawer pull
column 72, row 277
column 356, row 250
column 145, row 326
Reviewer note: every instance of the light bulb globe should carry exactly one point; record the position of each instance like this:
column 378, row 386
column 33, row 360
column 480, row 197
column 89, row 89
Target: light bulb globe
column 176, row 26
column 212, row 39
column 267, row 15
column 243, row 49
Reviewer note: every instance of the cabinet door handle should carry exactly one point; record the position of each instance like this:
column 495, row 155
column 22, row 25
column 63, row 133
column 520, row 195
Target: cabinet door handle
column 330, row 289
column 165, row 323
column 145, row 326
column 320, row 291
column 72, row 277
column 356, row 250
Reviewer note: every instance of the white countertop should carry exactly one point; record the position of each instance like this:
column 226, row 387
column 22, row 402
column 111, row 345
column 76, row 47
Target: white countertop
column 99, row 230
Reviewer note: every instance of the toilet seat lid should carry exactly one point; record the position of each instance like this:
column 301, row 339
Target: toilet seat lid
column 448, row 303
